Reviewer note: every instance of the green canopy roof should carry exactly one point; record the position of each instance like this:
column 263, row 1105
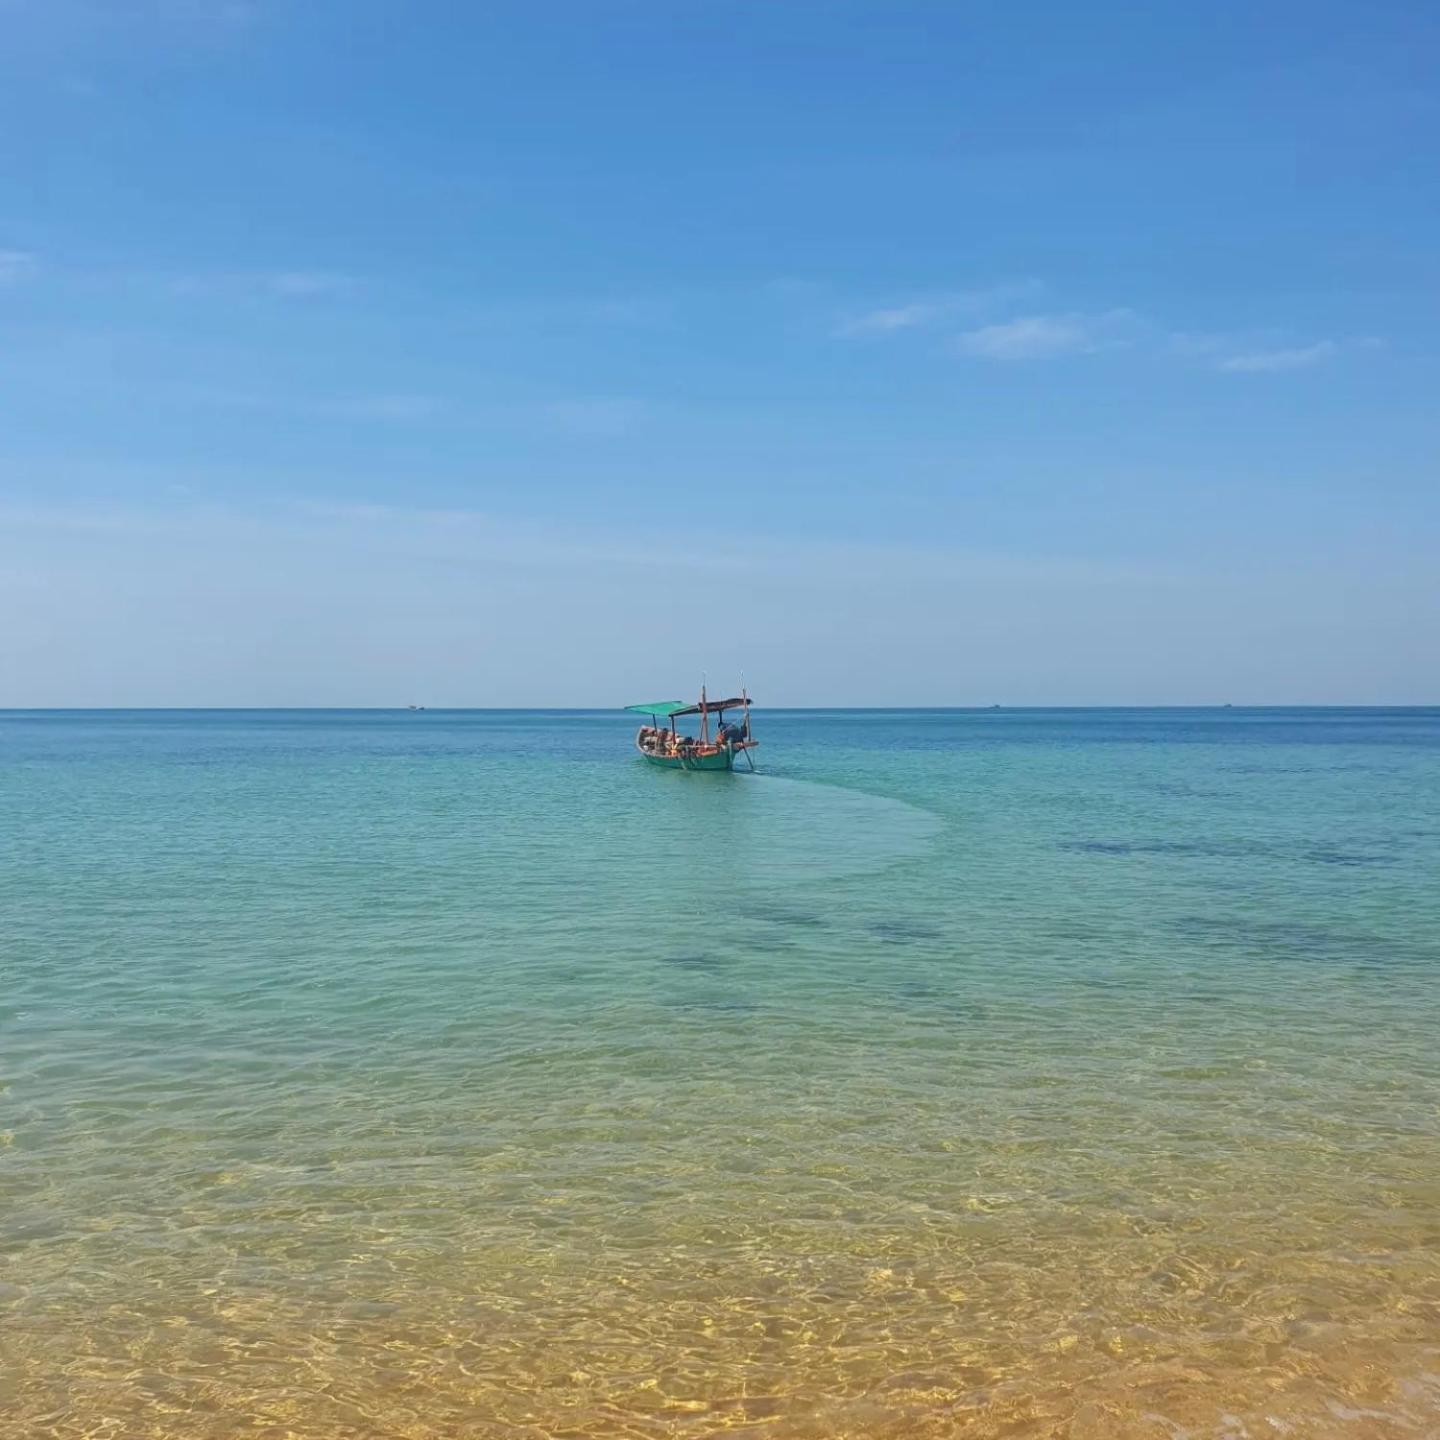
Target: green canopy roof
column 668, row 709
column 663, row 708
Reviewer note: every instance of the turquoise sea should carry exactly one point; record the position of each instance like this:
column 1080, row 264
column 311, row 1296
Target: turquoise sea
column 974, row 1073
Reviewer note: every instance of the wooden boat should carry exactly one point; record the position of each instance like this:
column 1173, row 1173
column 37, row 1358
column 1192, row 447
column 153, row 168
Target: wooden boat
column 661, row 742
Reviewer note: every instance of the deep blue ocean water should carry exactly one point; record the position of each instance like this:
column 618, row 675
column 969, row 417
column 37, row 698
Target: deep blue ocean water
column 1037, row 1073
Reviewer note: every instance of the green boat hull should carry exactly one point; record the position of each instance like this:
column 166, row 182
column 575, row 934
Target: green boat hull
column 723, row 760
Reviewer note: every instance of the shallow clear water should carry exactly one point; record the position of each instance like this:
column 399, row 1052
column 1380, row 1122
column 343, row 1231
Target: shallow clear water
column 961, row 1073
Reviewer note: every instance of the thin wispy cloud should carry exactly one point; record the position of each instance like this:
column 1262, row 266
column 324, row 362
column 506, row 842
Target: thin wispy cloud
column 15, row 265
column 623, row 310
column 899, row 317
column 604, row 417
column 560, row 312
column 213, row 14
column 1299, row 357
column 1027, row 336
column 1263, row 352
column 279, row 284
column 1055, row 334
column 492, row 609
column 933, row 310
column 458, row 528
column 303, row 283
column 1043, row 337
column 397, row 409
column 167, row 21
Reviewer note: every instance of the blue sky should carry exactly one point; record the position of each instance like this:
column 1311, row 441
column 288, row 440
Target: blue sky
column 360, row 353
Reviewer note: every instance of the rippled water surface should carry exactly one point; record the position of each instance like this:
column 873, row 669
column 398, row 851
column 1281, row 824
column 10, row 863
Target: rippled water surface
column 968, row 1073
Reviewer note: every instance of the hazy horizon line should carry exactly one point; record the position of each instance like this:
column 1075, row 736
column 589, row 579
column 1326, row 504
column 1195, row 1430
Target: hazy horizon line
column 621, row 709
